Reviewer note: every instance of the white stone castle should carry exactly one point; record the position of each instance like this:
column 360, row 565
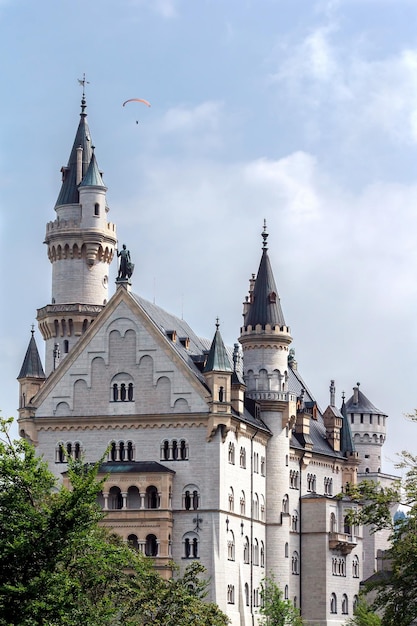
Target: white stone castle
column 212, row 454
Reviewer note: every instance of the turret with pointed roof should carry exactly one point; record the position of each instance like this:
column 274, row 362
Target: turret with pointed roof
column 368, row 426
column 265, row 337
column 81, row 244
column 31, row 377
column 218, row 374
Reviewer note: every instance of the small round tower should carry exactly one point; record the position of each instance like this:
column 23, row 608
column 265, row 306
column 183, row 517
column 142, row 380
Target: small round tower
column 81, row 244
column 368, row 426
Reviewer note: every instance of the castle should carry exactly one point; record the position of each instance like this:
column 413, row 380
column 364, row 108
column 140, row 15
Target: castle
column 216, row 454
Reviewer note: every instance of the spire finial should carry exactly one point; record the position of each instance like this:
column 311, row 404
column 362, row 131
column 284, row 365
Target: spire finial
column 217, row 323
column 33, row 329
column 264, row 236
column 343, row 396
column 83, row 82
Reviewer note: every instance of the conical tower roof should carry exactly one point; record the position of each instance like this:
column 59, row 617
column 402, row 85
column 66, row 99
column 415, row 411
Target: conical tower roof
column 217, row 360
column 69, row 188
column 93, row 176
column 359, row 403
column 32, row 365
column 346, row 439
column 265, row 306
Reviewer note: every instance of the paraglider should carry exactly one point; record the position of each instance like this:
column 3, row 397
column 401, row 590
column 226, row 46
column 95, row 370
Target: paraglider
column 137, row 100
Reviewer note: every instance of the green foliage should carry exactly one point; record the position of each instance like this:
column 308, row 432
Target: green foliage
column 364, row 615
column 59, row 567
column 275, row 610
column 395, row 589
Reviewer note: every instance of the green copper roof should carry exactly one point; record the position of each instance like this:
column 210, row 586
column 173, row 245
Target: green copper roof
column 217, row 360
column 69, row 189
column 32, row 366
column 93, row 175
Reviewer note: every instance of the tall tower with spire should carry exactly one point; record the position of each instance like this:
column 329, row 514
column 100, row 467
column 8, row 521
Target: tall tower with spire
column 81, row 244
column 265, row 339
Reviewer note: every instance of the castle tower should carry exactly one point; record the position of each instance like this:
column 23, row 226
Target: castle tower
column 368, row 429
column 265, row 339
column 81, row 244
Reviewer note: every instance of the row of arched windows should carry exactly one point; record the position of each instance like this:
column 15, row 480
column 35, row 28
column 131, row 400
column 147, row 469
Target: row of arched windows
column 115, row 499
column 149, row 547
column 347, row 527
column 171, row 450
column 258, row 552
column 68, row 450
column 174, row 450
column 338, row 566
column 328, row 486
column 258, row 511
column 242, row 459
column 311, row 483
column 294, row 479
column 344, row 604
column 122, row 451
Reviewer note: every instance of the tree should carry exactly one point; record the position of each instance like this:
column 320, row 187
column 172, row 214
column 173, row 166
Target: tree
column 59, row 567
column 275, row 610
column 395, row 589
column 363, row 615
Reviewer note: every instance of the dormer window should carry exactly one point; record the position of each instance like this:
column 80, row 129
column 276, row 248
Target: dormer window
column 272, row 297
column 172, row 335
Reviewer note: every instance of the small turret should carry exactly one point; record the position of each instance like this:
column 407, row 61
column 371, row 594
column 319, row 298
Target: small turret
column 368, row 425
column 218, row 374
column 333, row 420
column 31, row 378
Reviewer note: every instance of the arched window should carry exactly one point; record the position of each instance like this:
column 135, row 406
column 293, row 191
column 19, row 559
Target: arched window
column 133, row 498
column 333, row 525
column 152, row 499
column 151, row 546
column 286, row 592
column 191, row 497
column 115, row 500
column 286, row 550
column 333, row 604
column 231, row 454
column 262, row 555
column 347, row 529
column 121, row 388
column 262, row 508
column 243, row 457
column 355, row 567
column 255, row 506
column 165, row 450
column 246, row 550
column 130, row 451
column 96, row 209
column 345, row 605
column 231, row 546
column 255, row 557
column 285, row 504
column 183, row 450
column 60, row 452
column 133, row 542
column 230, row 594
column 246, row 594
column 295, row 563
column 231, row 499
column 242, row 503
column 294, row 521
column 190, row 542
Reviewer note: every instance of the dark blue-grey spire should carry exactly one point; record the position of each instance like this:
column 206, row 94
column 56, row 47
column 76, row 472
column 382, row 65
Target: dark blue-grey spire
column 346, row 440
column 217, row 360
column 32, row 365
column 69, row 188
column 265, row 307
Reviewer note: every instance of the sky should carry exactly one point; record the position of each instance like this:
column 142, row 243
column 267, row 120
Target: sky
column 299, row 112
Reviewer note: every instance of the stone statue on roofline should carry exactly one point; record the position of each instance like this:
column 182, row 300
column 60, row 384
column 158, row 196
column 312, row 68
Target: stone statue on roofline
column 126, row 266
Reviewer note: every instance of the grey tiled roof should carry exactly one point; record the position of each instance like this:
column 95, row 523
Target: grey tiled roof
column 217, row 360
column 93, row 175
column 317, row 429
column 265, row 307
column 363, row 405
column 32, row 365
column 69, row 188
column 197, row 351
